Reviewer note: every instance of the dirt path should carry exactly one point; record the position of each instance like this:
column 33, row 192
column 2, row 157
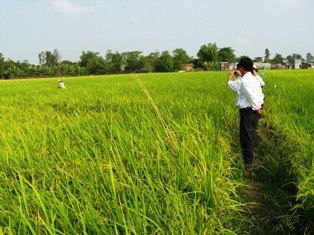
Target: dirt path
column 267, row 209
column 269, row 197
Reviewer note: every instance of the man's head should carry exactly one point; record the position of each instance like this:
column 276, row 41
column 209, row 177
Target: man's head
column 245, row 64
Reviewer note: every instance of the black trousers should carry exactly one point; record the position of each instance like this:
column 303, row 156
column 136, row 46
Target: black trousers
column 248, row 124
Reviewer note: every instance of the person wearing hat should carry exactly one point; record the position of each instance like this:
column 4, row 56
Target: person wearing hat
column 61, row 84
column 250, row 108
column 259, row 78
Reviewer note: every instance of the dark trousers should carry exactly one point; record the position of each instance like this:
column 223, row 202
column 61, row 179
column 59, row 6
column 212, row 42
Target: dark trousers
column 248, row 124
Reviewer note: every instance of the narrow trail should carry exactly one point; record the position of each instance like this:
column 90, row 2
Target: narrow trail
column 268, row 194
column 267, row 207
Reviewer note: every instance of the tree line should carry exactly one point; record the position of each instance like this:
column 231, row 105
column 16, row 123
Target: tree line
column 208, row 58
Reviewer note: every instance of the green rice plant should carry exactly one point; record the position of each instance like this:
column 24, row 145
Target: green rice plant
column 288, row 101
column 94, row 158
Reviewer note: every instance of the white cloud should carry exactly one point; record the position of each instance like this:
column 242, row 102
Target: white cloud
column 64, row 6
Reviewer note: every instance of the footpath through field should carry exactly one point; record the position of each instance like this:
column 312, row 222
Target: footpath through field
column 269, row 194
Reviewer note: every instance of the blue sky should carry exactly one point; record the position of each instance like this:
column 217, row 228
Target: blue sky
column 29, row 27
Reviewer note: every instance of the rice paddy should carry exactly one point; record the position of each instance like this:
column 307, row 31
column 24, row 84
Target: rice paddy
column 95, row 158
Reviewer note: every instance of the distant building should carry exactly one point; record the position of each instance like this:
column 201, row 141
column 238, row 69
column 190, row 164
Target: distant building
column 311, row 65
column 224, row 66
column 307, row 65
column 227, row 66
column 261, row 65
column 295, row 63
column 233, row 66
column 188, row 67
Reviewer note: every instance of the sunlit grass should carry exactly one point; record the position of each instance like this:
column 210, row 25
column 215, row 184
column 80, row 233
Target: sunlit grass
column 94, row 158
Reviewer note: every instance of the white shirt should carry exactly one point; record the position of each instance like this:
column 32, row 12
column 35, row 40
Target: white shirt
column 260, row 80
column 250, row 93
column 235, row 86
column 61, row 85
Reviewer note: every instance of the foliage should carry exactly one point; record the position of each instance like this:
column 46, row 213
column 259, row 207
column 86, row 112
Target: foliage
column 267, row 56
column 209, row 57
column 49, row 58
column 259, row 59
column 278, row 59
column 295, row 56
column 226, row 54
column 133, row 61
column 1, row 65
column 180, row 58
column 208, row 53
column 309, row 57
column 93, row 63
column 164, row 63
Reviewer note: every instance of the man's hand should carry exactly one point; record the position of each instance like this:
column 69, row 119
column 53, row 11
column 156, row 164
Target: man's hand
column 231, row 74
column 259, row 111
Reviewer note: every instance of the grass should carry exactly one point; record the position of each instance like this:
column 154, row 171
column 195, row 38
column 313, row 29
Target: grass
column 95, row 159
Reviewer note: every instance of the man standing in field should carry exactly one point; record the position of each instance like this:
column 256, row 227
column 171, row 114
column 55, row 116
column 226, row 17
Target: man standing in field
column 249, row 103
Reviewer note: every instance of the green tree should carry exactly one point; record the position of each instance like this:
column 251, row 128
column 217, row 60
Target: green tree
column 67, row 68
column 211, row 65
column 10, row 69
column 93, row 63
column 49, row 58
column 258, row 59
column 146, row 64
column 57, row 56
column 267, row 56
column 1, row 65
column 180, row 58
column 151, row 61
column 116, row 62
column 208, row 53
column 42, row 58
column 133, row 61
column 294, row 56
column 164, row 63
column 22, row 69
column 309, row 57
column 226, row 54
column 32, row 71
column 278, row 59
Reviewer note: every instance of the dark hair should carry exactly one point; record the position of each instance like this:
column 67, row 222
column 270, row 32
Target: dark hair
column 246, row 63
column 235, row 73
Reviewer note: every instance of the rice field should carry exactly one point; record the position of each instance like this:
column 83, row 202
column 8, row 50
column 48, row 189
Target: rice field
column 95, row 158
